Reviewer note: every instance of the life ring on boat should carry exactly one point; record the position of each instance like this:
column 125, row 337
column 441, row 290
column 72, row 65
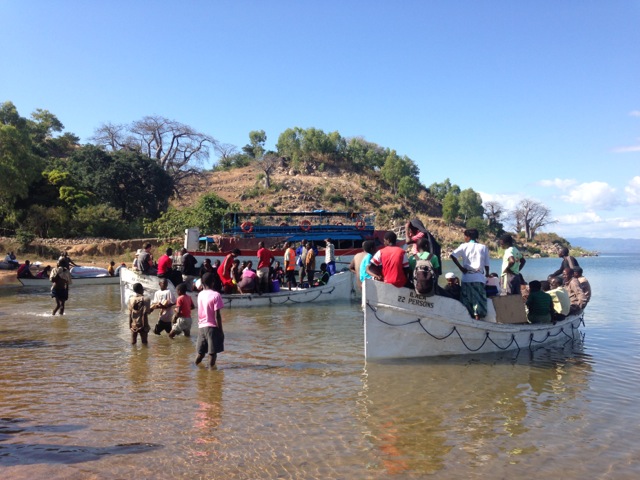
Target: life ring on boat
column 339, row 224
column 360, row 224
column 247, row 227
column 284, row 224
column 305, row 225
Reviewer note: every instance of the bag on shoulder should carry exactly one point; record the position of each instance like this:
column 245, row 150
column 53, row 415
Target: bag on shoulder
column 424, row 277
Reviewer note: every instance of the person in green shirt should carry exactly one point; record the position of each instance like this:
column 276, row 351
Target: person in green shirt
column 512, row 263
column 539, row 304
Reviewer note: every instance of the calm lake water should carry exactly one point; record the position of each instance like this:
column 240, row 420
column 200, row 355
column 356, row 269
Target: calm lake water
column 293, row 397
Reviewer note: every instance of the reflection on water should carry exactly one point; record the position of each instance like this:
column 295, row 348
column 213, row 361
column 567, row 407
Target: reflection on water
column 426, row 414
column 293, row 398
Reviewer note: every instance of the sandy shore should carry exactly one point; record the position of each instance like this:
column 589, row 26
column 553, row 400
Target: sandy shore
column 8, row 278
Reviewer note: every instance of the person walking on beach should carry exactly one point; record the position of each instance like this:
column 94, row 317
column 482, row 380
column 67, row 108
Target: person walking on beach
column 182, row 317
column 164, row 300
column 138, row 315
column 210, row 333
column 61, row 279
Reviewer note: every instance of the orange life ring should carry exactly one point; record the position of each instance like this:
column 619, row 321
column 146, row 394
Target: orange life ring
column 360, row 224
column 284, row 224
column 339, row 223
column 247, row 227
column 305, row 225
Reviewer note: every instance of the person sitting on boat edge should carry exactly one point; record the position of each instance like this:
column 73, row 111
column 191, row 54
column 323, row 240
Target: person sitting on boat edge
column 584, row 284
column 265, row 260
column 368, row 249
column 323, row 279
column 559, row 296
column 475, row 261
column 24, row 270
column 145, row 261
column 390, row 264
column 249, row 280
column 452, row 288
column 330, row 256
column 11, row 261
column 165, row 268
column 112, row 269
column 567, row 261
column 512, row 263
column 492, row 285
column 224, row 270
column 120, row 267
column 539, row 304
column 44, row 273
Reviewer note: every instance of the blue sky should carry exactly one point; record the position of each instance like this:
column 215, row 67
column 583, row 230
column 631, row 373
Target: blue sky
column 513, row 99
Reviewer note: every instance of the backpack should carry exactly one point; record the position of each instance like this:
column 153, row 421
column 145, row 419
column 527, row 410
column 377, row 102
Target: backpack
column 424, row 277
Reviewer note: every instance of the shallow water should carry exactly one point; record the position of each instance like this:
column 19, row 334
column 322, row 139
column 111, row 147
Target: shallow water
column 292, row 396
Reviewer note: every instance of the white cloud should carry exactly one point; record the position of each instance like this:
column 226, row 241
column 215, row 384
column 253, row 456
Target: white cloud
column 593, row 195
column 580, row 218
column 635, row 113
column 508, row 201
column 634, row 148
column 633, row 190
column 560, row 183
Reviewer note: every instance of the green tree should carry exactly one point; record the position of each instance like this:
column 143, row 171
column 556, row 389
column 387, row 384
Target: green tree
column 440, row 190
column 409, row 187
column 255, row 148
column 478, row 223
column 395, row 168
column 364, row 155
column 470, row 204
column 207, row 216
column 450, row 207
column 19, row 166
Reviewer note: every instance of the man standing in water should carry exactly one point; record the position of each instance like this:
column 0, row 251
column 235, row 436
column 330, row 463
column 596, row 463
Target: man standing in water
column 138, row 315
column 210, row 333
column 61, row 279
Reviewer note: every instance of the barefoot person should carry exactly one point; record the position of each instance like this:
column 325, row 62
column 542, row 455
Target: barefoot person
column 210, row 334
column 164, row 301
column 182, row 317
column 61, row 279
column 138, row 315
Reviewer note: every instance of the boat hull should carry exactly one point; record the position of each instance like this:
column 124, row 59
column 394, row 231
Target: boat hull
column 75, row 282
column 339, row 288
column 398, row 323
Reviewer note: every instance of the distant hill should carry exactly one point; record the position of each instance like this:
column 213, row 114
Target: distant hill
column 607, row 245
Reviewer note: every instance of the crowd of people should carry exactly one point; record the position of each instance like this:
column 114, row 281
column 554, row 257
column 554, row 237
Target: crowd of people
column 565, row 292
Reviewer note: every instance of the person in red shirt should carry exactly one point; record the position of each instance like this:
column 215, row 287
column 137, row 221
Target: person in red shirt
column 182, row 316
column 224, row 271
column 165, row 268
column 390, row 264
column 265, row 259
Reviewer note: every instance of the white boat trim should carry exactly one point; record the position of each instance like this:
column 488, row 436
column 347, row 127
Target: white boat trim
column 339, row 288
column 398, row 323
column 75, row 282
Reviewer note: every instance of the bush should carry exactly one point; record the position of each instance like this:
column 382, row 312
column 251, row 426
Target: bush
column 98, row 221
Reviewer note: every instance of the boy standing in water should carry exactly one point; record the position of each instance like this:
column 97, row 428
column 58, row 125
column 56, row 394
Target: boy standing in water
column 210, row 334
column 138, row 315
column 164, row 300
column 61, row 279
column 182, row 317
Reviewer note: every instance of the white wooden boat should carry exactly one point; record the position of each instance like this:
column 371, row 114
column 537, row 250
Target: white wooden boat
column 398, row 323
column 339, row 288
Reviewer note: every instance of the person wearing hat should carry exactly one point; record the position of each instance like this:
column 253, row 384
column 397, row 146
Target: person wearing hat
column 134, row 265
column 452, row 288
